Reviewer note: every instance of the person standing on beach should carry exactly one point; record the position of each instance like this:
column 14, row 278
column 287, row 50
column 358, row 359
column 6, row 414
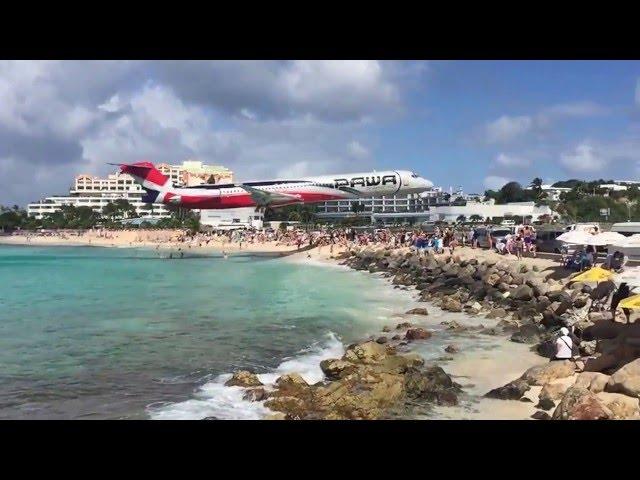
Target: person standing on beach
column 489, row 239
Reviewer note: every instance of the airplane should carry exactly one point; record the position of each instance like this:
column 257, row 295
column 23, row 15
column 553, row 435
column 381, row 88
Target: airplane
column 273, row 193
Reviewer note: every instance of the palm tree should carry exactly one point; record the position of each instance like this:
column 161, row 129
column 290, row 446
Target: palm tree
column 475, row 218
column 536, row 186
column 461, row 219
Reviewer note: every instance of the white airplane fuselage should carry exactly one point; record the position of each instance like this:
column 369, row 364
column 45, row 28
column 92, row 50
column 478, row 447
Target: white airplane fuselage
column 275, row 193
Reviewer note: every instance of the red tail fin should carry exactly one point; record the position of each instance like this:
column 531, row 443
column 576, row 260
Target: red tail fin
column 145, row 172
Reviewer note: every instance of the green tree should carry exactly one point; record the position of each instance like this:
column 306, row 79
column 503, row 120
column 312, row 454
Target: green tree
column 461, row 219
column 475, row 218
column 536, row 186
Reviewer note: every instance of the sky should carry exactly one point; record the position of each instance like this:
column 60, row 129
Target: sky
column 474, row 124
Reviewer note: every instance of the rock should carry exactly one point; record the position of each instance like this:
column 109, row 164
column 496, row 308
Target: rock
column 403, row 325
column 581, row 404
column 293, row 407
column 529, row 334
column 382, row 340
column 621, row 405
column 451, row 304
column 417, row 334
column 497, row 313
column 451, row 349
column 626, row 380
column 291, row 381
column 542, row 374
column 255, row 394
column 546, row 349
column 555, row 389
column 523, row 292
column 592, row 381
column 431, row 384
column 367, row 353
column 511, row 391
column 418, row 311
column 545, row 404
column 540, row 415
column 580, row 302
column 587, row 348
column 335, row 368
column 386, row 329
column 243, row 378
column 396, row 337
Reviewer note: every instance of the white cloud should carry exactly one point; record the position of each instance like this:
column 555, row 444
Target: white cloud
column 357, row 150
column 583, row 159
column 494, row 182
column 575, row 109
column 507, row 128
column 511, row 161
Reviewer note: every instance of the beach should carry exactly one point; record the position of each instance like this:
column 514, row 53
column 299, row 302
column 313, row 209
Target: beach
column 472, row 347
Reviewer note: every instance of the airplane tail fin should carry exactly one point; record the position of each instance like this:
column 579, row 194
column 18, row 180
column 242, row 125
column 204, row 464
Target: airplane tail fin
column 147, row 175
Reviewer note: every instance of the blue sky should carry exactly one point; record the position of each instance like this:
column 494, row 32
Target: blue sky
column 445, row 132
column 475, row 124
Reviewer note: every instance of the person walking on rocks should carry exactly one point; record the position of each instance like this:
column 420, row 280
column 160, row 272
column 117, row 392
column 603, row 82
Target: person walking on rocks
column 564, row 346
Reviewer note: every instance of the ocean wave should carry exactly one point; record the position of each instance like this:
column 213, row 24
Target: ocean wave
column 216, row 400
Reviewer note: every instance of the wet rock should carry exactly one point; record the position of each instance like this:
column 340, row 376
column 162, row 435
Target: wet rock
column 542, row 374
column 243, row 378
column 417, row 334
column 418, row 311
column 451, row 304
column 540, row 415
column 511, row 391
column 396, row 337
column 255, row 394
column 294, row 407
column 335, row 368
column 581, row 404
column 386, row 329
column 451, row 349
column 291, row 381
column 367, row 353
column 626, row 380
column 431, row 384
column 403, row 325
column 382, row 340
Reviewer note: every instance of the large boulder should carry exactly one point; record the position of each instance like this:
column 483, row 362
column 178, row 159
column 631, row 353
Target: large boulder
column 367, row 353
column 555, row 389
column 522, row 292
column 621, row 405
column 529, row 334
column 626, row 380
column 581, row 404
column 451, row 304
column 543, row 374
column 431, row 384
column 243, row 378
column 335, row 368
column 291, row 381
column 511, row 391
column 417, row 334
column 593, row 381
column 497, row 313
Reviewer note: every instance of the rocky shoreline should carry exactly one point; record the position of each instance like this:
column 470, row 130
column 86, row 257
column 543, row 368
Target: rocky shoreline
column 378, row 378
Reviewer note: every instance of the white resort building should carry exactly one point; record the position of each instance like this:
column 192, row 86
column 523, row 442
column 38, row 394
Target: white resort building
column 96, row 192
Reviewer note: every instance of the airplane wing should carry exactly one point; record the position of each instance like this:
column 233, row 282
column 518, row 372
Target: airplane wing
column 263, row 198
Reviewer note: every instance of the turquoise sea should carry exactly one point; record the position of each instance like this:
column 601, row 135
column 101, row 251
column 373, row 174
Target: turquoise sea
column 89, row 332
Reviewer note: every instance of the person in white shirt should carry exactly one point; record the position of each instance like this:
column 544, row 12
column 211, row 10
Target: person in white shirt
column 564, row 345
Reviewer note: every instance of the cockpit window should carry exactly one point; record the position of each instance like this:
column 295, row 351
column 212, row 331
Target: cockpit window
column 413, row 175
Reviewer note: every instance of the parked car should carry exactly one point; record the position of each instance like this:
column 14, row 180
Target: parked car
column 546, row 241
column 497, row 234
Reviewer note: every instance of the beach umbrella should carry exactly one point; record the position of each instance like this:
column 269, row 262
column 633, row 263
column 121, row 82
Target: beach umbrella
column 595, row 274
column 632, row 302
column 632, row 241
column 579, row 237
column 630, row 276
column 605, row 238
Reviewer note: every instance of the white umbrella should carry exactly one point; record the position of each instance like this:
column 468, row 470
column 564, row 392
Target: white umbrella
column 579, row 237
column 630, row 276
column 632, row 241
column 605, row 238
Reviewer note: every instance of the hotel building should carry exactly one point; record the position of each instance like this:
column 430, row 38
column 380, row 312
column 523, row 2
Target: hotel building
column 96, row 192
